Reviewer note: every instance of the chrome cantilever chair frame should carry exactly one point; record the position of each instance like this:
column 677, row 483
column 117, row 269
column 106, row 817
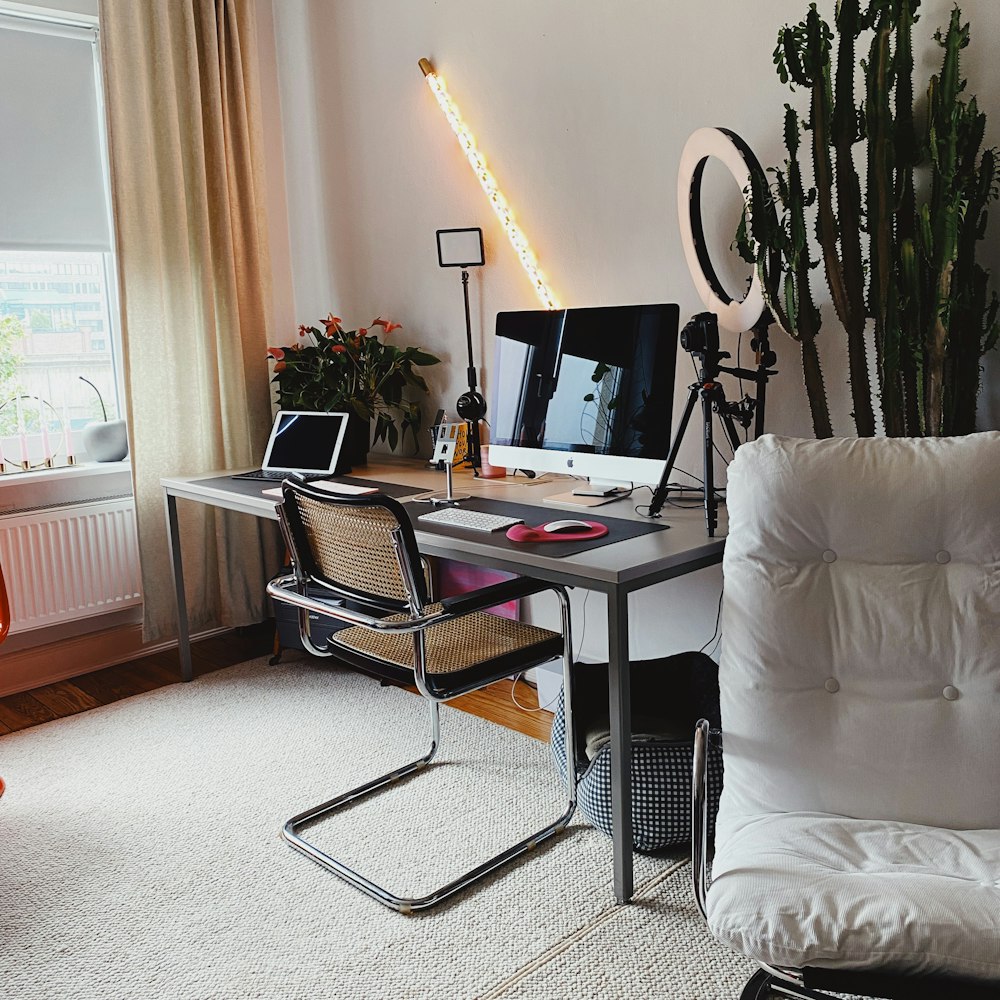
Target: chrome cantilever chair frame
column 291, row 589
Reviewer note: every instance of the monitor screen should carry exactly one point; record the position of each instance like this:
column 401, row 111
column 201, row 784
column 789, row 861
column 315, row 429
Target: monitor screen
column 582, row 387
column 305, row 441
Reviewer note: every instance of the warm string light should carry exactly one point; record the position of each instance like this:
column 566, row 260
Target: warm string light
column 489, row 184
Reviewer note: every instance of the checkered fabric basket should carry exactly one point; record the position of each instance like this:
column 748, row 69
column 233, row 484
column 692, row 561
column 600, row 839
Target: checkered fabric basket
column 661, row 784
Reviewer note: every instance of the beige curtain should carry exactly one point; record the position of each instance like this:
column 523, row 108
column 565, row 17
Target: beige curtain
column 187, row 193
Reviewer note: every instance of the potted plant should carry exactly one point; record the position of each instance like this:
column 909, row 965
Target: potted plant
column 897, row 244
column 354, row 371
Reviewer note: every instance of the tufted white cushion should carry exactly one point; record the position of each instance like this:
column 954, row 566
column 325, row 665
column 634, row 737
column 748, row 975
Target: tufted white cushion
column 860, row 674
column 807, row 889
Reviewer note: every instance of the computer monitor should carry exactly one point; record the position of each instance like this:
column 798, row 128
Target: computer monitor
column 587, row 392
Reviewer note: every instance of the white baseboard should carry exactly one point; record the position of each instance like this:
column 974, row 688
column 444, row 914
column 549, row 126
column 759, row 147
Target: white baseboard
column 22, row 670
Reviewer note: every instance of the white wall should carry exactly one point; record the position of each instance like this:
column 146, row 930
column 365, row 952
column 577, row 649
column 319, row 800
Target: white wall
column 581, row 108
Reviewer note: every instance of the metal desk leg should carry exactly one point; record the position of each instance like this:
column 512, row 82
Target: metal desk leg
column 183, row 632
column 621, row 743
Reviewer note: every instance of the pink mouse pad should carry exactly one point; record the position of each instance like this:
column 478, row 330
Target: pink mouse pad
column 525, row 533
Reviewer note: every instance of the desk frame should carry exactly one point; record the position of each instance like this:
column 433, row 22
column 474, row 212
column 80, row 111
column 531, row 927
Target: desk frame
column 678, row 554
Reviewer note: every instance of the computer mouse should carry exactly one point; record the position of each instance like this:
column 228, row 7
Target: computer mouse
column 565, row 527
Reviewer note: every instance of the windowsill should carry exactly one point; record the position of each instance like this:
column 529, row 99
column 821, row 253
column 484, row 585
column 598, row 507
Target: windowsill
column 82, row 471
column 68, row 484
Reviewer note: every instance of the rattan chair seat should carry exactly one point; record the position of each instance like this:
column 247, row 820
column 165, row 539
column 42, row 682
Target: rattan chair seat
column 452, row 646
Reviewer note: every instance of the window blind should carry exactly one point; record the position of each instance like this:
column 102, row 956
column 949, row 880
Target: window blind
column 53, row 194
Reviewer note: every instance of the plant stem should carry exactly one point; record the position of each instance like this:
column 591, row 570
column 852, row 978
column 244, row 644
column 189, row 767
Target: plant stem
column 99, row 396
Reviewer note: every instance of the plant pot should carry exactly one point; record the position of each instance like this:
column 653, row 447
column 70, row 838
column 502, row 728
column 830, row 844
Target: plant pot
column 106, row 441
column 357, row 442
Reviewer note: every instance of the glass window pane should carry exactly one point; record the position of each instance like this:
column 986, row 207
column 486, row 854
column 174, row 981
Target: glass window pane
column 55, row 331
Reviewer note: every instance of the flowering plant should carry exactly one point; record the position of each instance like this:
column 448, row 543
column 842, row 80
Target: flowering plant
column 354, row 371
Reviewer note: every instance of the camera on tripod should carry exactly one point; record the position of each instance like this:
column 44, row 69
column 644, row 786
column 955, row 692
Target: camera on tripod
column 700, row 337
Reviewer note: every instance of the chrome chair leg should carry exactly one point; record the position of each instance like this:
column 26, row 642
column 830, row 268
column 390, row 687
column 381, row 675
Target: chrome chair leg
column 764, row 985
column 404, row 904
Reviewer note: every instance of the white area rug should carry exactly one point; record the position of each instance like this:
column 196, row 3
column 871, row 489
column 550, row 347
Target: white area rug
column 140, row 858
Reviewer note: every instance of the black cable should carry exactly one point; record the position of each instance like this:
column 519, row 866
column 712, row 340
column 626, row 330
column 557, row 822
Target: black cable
column 680, row 488
column 730, row 443
column 718, row 618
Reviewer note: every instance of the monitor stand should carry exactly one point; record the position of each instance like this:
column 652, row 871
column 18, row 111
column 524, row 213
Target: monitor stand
column 608, row 488
column 595, row 493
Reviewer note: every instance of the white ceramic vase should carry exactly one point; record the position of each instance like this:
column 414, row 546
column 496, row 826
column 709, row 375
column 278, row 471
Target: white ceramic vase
column 106, row 441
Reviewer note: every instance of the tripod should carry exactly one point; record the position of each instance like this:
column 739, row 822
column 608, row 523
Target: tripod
column 701, row 338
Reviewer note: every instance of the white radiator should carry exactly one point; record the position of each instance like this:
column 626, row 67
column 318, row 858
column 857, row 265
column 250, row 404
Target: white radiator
column 66, row 563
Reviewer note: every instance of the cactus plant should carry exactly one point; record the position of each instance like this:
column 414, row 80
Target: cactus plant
column 927, row 299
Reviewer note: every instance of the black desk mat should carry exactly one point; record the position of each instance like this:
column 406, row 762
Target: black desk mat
column 255, row 487
column 619, row 530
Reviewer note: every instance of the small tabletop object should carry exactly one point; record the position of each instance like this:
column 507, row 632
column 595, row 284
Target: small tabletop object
column 526, row 533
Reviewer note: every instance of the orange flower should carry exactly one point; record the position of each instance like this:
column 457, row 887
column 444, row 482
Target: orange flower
column 332, row 324
column 386, row 325
column 339, row 348
column 280, row 366
column 275, row 352
column 362, row 332
column 303, row 329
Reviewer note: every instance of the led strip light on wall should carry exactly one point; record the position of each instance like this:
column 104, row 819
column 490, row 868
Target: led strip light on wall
column 489, row 184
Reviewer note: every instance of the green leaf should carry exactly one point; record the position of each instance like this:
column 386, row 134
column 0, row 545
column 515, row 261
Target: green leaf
column 422, row 358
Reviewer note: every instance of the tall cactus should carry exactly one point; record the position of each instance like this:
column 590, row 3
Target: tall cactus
column 929, row 302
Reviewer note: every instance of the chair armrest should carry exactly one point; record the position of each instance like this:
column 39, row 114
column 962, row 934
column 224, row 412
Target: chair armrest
column 699, row 816
column 282, row 588
column 496, row 594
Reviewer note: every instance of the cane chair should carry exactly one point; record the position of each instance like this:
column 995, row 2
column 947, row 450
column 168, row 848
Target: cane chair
column 361, row 552
column 857, row 846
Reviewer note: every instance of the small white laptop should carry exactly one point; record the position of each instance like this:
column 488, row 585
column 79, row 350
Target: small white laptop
column 302, row 441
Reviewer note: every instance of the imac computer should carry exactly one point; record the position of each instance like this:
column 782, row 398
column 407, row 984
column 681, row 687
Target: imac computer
column 586, row 392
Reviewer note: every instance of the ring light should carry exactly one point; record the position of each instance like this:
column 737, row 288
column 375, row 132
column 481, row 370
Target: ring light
column 737, row 156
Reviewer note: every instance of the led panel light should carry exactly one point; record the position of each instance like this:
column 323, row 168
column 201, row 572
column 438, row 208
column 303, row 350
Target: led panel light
column 489, row 184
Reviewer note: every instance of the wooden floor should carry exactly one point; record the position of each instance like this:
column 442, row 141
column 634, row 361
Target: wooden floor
column 56, row 701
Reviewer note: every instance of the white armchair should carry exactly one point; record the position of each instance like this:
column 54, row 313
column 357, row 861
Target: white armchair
column 857, row 845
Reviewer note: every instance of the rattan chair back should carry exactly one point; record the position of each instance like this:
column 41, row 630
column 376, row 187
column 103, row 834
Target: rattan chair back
column 361, row 547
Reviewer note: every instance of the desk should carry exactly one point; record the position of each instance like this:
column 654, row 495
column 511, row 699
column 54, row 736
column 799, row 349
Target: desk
column 615, row 570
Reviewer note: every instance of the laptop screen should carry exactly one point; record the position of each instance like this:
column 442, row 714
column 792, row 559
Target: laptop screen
column 305, row 442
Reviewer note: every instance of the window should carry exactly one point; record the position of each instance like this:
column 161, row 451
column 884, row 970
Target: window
column 57, row 293
column 49, row 339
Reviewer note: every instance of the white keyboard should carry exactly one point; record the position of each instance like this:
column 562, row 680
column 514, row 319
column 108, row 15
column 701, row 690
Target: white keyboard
column 470, row 520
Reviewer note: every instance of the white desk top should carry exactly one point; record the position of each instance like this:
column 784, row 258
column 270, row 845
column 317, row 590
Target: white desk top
column 630, row 564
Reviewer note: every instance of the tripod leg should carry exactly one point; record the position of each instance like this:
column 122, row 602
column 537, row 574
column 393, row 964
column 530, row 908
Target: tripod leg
column 711, row 511
column 660, row 493
column 475, row 447
column 758, row 426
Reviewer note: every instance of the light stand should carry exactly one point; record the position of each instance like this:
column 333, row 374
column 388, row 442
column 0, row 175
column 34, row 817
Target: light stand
column 701, row 335
column 701, row 338
column 471, row 405
column 464, row 248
